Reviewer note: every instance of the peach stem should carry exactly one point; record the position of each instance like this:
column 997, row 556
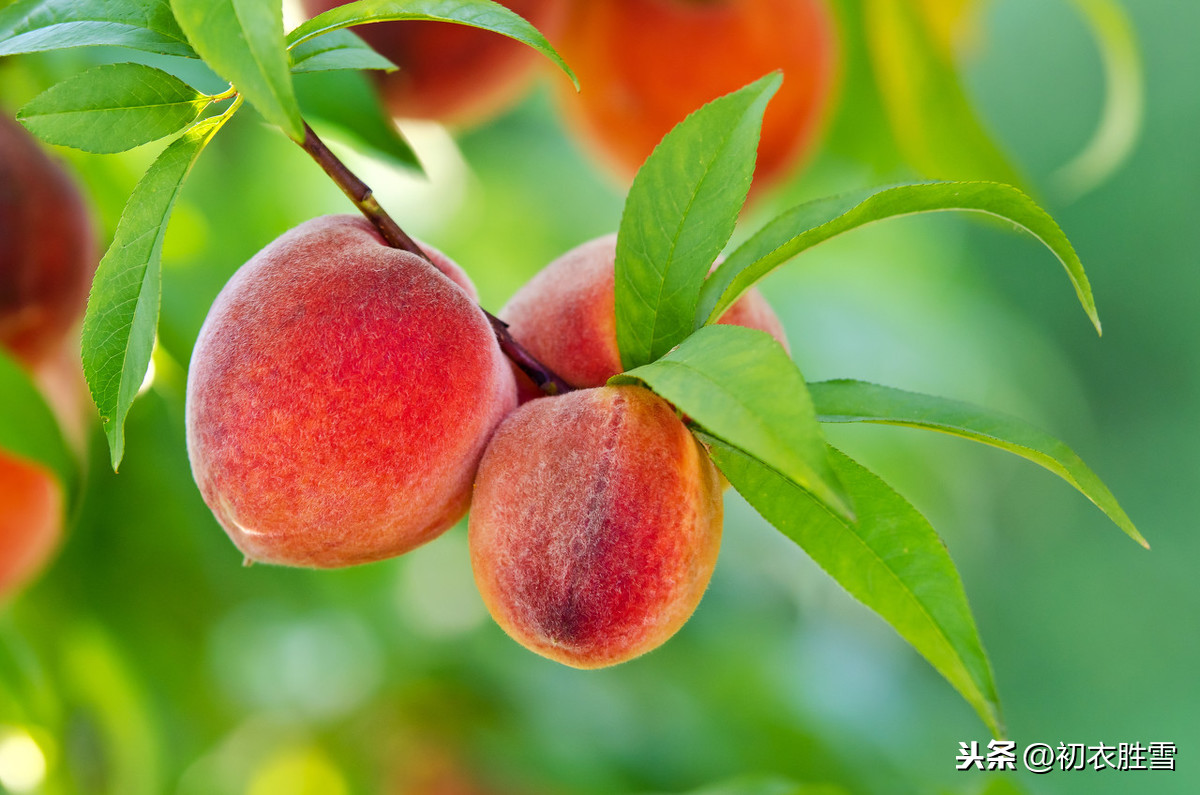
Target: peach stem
column 364, row 199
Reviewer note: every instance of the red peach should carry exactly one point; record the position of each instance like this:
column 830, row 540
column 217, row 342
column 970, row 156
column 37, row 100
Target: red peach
column 453, row 73
column 47, row 254
column 340, row 396
column 595, row 525
column 565, row 315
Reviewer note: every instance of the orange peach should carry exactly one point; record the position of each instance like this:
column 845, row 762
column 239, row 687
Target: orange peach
column 31, row 520
column 565, row 315
column 339, row 398
column 595, row 525
column 644, row 65
column 47, row 253
column 453, row 73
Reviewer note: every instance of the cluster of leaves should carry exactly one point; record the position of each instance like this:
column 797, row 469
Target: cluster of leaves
column 751, row 407
column 746, row 399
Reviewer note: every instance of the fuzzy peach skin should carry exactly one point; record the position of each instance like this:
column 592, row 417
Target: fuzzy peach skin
column 340, row 396
column 47, row 250
column 31, row 521
column 566, row 315
column 644, row 65
column 595, row 525
column 453, row 73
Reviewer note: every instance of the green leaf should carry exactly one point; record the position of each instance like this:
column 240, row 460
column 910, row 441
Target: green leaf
column 28, row 427
column 680, row 213
column 740, row 385
column 122, row 312
column 891, row 560
column 805, row 226
column 113, row 108
column 242, row 40
column 344, row 105
column 857, row 401
column 476, row 13
column 39, row 25
column 931, row 116
column 340, row 49
column 1124, row 101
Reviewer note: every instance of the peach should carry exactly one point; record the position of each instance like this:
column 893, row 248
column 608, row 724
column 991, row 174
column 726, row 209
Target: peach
column 31, row 520
column 453, row 73
column 595, row 525
column 339, row 398
column 47, row 253
column 565, row 315
column 644, row 65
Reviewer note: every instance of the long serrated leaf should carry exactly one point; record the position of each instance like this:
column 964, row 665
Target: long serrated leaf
column 344, row 105
column 242, row 40
column 39, row 25
column 122, row 312
column 891, row 560
column 112, row 108
column 846, row 400
column 680, row 212
column 740, row 385
column 475, row 13
column 340, row 49
column 28, row 428
column 930, row 114
column 808, row 224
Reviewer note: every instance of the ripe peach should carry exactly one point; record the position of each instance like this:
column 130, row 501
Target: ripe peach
column 31, row 520
column 340, row 396
column 595, row 525
column 47, row 254
column 646, row 64
column 565, row 315
column 453, row 73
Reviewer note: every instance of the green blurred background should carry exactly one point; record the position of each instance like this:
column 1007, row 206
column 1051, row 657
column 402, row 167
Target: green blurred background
column 148, row 660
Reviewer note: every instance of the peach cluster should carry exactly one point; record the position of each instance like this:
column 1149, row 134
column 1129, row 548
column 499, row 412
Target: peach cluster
column 347, row 401
column 47, row 258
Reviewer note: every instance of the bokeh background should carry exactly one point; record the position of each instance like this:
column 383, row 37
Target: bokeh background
column 148, row 660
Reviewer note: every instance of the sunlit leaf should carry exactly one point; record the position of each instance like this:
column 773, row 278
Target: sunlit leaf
column 475, row 13
column 38, row 25
column 857, row 401
column 740, row 385
column 890, row 559
column 680, row 212
column 340, row 49
column 112, row 108
column 28, row 428
column 803, row 227
column 122, row 313
column 242, row 40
